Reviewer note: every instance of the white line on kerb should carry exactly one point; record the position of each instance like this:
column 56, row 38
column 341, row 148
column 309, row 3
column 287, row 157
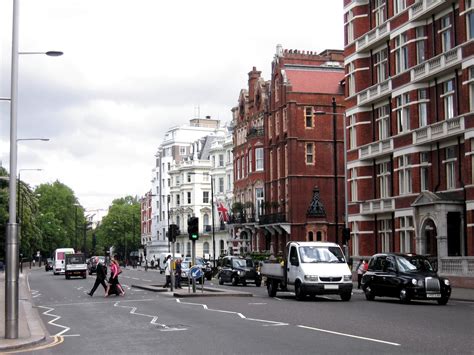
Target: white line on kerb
column 348, row 335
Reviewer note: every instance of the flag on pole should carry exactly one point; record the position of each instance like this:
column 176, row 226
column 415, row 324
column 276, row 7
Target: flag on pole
column 223, row 212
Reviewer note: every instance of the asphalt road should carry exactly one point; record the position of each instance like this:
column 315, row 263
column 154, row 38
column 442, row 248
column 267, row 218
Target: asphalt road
column 145, row 322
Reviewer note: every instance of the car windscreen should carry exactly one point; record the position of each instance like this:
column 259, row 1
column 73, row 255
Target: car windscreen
column 413, row 263
column 321, row 254
column 75, row 260
column 239, row 263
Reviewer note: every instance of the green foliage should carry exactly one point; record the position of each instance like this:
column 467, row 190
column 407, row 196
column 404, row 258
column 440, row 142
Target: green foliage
column 121, row 227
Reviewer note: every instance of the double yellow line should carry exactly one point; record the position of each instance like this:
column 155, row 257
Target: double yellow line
column 57, row 339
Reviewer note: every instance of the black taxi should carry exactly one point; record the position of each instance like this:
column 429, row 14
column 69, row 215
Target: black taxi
column 404, row 276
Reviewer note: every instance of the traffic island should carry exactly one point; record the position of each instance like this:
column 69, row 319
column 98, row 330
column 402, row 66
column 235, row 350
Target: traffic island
column 200, row 292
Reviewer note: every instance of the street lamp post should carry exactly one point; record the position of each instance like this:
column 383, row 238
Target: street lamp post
column 213, row 226
column 335, row 114
column 11, row 247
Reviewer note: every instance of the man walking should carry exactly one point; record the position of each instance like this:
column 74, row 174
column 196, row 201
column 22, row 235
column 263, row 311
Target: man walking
column 178, row 273
column 167, row 271
column 100, row 278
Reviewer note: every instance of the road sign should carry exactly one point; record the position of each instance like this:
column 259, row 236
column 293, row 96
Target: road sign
column 196, row 272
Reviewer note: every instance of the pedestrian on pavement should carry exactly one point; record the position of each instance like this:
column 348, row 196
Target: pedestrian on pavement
column 361, row 269
column 178, row 273
column 167, row 271
column 100, row 277
column 114, row 285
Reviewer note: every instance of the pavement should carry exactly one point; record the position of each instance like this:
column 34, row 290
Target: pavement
column 32, row 330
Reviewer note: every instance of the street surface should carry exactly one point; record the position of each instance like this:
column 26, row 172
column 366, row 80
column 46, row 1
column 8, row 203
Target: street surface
column 146, row 322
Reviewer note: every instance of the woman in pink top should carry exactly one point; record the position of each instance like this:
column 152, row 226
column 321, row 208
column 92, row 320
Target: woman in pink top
column 114, row 284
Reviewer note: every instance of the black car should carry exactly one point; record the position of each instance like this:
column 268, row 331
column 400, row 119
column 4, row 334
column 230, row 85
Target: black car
column 48, row 264
column 404, row 276
column 238, row 270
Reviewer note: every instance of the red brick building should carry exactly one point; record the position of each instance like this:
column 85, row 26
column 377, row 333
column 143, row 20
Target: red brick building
column 410, row 98
column 145, row 218
column 304, row 172
column 249, row 175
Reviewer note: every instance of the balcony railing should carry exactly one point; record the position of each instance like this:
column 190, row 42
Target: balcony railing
column 255, row 132
column 424, row 8
column 373, row 37
column 437, row 64
column 439, row 130
column 461, row 266
column 375, row 92
column 376, row 149
column 378, row 206
column 272, row 218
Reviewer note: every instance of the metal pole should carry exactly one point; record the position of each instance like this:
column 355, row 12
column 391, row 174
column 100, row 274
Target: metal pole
column 193, row 254
column 168, row 218
column 213, row 225
column 12, row 252
column 75, row 228
column 336, row 197
column 172, row 271
column 346, row 197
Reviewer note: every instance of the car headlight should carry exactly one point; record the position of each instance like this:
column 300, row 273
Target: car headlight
column 420, row 283
column 347, row 277
column 414, row 282
column 446, row 282
column 241, row 273
column 311, row 277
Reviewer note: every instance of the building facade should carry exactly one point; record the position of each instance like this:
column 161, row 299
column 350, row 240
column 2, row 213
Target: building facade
column 409, row 102
column 249, row 175
column 176, row 145
column 303, row 151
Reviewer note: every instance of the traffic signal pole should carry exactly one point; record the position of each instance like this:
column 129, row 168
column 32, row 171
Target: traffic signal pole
column 172, row 271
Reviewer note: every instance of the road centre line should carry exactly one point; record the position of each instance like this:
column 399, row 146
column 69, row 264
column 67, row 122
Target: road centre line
column 154, row 318
column 348, row 335
column 270, row 322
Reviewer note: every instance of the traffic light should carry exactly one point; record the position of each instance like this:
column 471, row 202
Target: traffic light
column 173, row 232
column 346, row 235
column 193, row 228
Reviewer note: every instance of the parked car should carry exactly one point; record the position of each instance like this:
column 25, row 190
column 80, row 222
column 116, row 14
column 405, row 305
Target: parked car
column 2, row 265
column 237, row 270
column 48, row 264
column 204, row 265
column 92, row 264
column 405, row 276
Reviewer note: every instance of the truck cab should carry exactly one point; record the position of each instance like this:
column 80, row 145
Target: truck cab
column 310, row 268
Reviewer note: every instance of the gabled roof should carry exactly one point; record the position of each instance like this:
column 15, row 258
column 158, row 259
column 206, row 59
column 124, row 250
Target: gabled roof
column 322, row 81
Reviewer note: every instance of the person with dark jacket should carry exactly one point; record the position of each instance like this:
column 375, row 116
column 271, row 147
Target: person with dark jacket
column 100, row 278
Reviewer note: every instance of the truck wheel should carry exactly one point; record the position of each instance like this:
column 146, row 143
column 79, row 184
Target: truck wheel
column 244, row 283
column 443, row 301
column 272, row 288
column 84, row 276
column 369, row 294
column 299, row 291
column 346, row 296
column 234, row 280
column 68, row 277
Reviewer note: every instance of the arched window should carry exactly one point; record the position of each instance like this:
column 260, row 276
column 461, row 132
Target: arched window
column 206, row 219
column 205, row 248
column 319, row 236
column 310, row 236
column 177, row 221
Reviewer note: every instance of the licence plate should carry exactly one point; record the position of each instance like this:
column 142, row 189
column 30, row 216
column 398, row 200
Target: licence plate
column 433, row 295
column 331, row 287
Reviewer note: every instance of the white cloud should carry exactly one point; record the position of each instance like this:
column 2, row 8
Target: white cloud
column 133, row 68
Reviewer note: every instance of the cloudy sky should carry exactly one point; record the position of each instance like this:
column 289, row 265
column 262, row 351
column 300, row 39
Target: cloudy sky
column 132, row 69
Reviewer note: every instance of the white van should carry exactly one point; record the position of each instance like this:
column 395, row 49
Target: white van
column 60, row 260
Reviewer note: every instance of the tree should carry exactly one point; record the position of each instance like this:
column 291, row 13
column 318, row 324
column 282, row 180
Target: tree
column 121, row 227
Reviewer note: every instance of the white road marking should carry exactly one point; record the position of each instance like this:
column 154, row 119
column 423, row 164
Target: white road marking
column 270, row 322
column 85, row 303
column 154, row 318
column 55, row 318
column 257, row 303
column 348, row 335
column 278, row 299
column 146, row 280
column 135, row 278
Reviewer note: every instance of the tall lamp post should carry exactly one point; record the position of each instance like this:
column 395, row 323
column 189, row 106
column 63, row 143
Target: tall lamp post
column 335, row 114
column 213, row 226
column 12, row 250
